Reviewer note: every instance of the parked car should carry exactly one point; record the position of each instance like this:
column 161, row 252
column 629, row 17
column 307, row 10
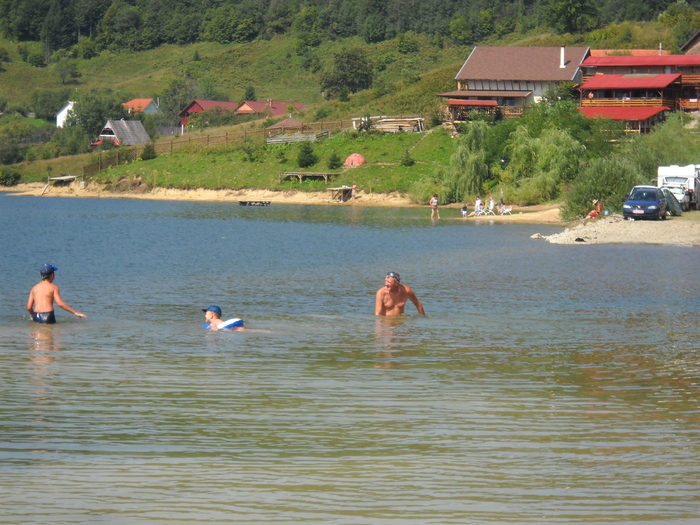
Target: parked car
column 645, row 201
column 681, row 196
column 673, row 207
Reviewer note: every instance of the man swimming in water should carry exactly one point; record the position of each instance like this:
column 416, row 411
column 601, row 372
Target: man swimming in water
column 42, row 297
column 212, row 315
column 391, row 298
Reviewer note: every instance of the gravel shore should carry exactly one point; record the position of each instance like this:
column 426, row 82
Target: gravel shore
column 679, row 231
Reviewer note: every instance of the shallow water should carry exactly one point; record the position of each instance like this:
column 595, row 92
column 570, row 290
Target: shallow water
column 550, row 383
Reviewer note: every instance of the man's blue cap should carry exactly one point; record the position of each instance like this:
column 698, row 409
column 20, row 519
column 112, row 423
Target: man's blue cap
column 213, row 309
column 47, row 270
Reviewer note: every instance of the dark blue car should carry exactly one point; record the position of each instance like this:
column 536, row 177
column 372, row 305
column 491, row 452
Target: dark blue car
column 645, row 202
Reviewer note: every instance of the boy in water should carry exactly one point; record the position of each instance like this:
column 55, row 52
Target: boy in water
column 214, row 322
column 42, row 297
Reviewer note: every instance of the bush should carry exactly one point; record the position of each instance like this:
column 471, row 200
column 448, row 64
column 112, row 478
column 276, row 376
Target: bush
column 36, row 59
column 406, row 160
column 149, row 152
column 306, row 156
column 9, row 176
column 323, row 112
column 334, row 161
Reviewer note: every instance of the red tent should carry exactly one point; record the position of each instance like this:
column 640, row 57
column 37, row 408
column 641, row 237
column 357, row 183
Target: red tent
column 355, row 160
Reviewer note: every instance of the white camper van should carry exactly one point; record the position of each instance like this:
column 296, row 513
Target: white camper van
column 687, row 178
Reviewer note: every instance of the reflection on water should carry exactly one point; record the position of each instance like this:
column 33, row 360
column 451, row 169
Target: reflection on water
column 550, row 383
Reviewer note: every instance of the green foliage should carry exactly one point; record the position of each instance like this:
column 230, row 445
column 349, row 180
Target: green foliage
column 9, row 176
column 175, row 98
column 375, row 28
column 149, row 152
column 36, row 59
column 47, row 102
column 70, row 141
column 67, row 69
column 250, row 94
column 306, row 156
column 334, row 161
column 605, row 179
column 461, row 31
column 570, row 16
column 351, row 69
column 406, row 43
column 226, row 27
column 323, row 113
column 407, row 160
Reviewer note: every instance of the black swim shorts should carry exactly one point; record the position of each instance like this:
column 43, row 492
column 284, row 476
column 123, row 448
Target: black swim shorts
column 44, row 318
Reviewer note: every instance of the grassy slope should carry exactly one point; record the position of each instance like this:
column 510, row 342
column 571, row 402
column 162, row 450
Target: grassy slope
column 227, row 167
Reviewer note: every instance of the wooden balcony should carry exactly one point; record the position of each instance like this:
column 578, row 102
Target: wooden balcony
column 627, row 102
column 689, row 104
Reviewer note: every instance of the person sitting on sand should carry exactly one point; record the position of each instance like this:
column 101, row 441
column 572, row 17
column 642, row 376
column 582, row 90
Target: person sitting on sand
column 597, row 211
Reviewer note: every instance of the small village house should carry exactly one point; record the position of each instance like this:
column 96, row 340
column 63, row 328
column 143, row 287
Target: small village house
column 123, row 133
column 199, row 106
column 509, row 79
column 269, row 108
column 62, row 115
column 142, row 105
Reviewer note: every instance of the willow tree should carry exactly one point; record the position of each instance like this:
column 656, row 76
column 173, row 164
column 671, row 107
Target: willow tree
column 540, row 165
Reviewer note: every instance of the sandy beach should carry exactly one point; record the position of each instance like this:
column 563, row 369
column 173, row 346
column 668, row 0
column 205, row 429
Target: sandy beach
column 681, row 231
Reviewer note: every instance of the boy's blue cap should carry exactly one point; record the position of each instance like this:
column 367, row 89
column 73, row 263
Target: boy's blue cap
column 47, row 270
column 213, row 308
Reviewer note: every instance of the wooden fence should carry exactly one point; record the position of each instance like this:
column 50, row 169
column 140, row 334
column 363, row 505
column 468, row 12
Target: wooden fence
column 184, row 142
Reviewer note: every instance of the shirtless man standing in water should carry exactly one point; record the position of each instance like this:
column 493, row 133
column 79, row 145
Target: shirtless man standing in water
column 42, row 297
column 391, row 299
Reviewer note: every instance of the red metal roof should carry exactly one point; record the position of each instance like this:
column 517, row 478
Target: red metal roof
column 472, row 103
column 197, row 106
column 623, row 113
column 628, row 52
column 276, row 109
column 631, row 61
column 630, row 81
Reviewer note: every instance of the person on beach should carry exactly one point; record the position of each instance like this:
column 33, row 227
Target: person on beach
column 43, row 295
column 212, row 314
column 391, row 298
column 434, row 206
column 597, row 211
column 353, row 193
column 477, row 204
column 465, row 211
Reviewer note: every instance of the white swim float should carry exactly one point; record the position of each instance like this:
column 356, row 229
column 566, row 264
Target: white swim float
column 228, row 325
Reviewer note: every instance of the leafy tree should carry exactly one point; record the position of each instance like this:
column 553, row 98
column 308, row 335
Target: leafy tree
column 375, row 29
column 47, row 102
column 351, row 69
column 461, row 31
column 406, row 43
column 407, row 160
column 13, row 133
column 570, row 16
column 175, row 98
column 93, row 109
column 67, row 69
column 4, row 57
column 306, row 156
column 36, row 59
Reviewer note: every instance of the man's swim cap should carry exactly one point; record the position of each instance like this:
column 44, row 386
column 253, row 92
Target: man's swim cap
column 394, row 275
column 47, row 270
column 213, row 309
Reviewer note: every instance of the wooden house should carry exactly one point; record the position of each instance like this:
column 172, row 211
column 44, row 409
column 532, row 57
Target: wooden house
column 269, row 108
column 508, row 79
column 198, row 106
column 141, row 105
column 123, row 133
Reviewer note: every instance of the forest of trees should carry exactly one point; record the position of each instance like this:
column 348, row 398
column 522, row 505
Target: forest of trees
column 85, row 27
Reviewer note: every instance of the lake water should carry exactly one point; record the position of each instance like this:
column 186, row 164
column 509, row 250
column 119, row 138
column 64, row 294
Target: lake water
column 549, row 384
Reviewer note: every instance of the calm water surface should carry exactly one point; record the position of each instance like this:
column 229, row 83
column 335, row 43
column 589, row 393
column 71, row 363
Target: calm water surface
column 550, row 384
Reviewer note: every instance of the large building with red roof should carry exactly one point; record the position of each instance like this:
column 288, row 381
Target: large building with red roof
column 198, row 106
column 270, row 108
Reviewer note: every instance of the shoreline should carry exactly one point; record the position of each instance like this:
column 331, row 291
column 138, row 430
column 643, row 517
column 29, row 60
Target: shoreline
column 612, row 229
column 543, row 214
